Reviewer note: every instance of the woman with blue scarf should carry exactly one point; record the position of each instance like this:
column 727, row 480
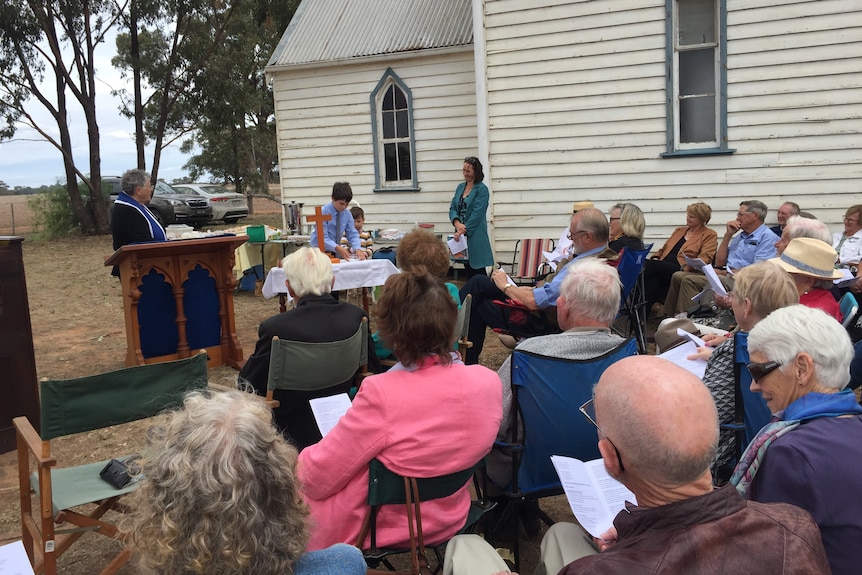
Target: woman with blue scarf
column 810, row 454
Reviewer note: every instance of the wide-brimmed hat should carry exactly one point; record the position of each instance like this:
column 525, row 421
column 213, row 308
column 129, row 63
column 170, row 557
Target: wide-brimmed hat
column 666, row 336
column 810, row 257
column 578, row 206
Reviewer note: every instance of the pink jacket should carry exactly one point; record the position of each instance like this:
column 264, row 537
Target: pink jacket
column 428, row 422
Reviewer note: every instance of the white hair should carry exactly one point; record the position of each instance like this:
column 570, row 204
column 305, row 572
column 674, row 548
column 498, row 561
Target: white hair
column 592, row 289
column 799, row 227
column 309, row 272
column 791, row 330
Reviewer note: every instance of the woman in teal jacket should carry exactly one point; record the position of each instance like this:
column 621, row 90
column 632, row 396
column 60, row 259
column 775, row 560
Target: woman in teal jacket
column 467, row 213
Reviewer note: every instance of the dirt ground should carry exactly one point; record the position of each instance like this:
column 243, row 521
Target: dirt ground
column 77, row 320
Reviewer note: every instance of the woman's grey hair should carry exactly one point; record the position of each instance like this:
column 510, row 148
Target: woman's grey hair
column 134, row 179
column 799, row 227
column 309, row 272
column 632, row 221
column 592, row 289
column 220, row 493
column 795, row 329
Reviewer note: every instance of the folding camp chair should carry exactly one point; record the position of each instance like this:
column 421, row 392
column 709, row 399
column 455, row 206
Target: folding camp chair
column 528, row 266
column 849, row 307
column 631, row 319
column 546, row 394
column 75, row 406
column 385, row 487
column 750, row 409
column 462, row 327
column 312, row 370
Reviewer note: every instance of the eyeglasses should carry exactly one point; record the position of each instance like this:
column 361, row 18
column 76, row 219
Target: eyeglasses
column 571, row 235
column 740, row 214
column 851, row 220
column 760, row 370
column 588, row 409
column 612, row 219
column 472, row 160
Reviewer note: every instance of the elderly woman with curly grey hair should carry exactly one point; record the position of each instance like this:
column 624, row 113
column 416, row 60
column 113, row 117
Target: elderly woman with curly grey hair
column 220, row 495
column 810, row 455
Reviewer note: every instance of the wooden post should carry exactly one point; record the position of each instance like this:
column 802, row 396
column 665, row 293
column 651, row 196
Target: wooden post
column 318, row 218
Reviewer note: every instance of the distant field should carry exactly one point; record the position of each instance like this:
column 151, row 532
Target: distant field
column 16, row 217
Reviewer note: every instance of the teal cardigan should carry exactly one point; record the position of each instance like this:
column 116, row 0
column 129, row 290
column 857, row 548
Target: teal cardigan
column 478, row 244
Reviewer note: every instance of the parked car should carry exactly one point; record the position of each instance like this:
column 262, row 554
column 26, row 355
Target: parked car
column 159, row 206
column 171, row 206
column 226, row 205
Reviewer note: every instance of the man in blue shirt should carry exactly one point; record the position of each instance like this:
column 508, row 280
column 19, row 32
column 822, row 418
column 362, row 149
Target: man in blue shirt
column 589, row 231
column 755, row 243
column 341, row 223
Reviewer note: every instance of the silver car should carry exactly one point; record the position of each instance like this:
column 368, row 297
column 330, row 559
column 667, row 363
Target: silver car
column 226, row 205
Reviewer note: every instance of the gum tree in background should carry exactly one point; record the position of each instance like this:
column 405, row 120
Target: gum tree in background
column 55, row 40
column 167, row 46
column 235, row 130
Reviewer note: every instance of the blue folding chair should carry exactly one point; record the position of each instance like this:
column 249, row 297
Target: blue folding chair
column 631, row 319
column 751, row 411
column 546, row 394
column 849, row 306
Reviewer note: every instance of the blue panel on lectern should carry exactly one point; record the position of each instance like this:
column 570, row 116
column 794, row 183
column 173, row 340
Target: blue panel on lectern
column 157, row 314
column 201, row 305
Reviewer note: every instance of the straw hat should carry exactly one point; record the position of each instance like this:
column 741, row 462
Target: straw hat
column 810, row 257
column 578, row 206
column 666, row 336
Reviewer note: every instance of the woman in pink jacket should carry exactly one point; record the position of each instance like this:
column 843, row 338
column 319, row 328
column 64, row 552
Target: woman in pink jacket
column 429, row 415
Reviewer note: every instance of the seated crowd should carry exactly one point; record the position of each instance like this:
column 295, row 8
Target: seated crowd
column 284, row 498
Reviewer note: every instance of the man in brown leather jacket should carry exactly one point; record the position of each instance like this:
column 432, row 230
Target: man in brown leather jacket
column 658, row 431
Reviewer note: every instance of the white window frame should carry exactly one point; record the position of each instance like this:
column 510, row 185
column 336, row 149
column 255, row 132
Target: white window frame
column 389, row 79
column 719, row 145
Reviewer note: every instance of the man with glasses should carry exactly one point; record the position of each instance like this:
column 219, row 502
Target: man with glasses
column 588, row 303
column 588, row 230
column 755, row 243
column 657, row 433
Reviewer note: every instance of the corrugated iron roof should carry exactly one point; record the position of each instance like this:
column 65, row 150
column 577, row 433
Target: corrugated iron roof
column 333, row 30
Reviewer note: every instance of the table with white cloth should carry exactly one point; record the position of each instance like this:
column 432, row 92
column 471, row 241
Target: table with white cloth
column 348, row 274
column 266, row 254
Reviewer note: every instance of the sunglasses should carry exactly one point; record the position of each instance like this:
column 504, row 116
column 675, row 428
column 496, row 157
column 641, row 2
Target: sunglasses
column 473, row 161
column 588, row 409
column 760, row 370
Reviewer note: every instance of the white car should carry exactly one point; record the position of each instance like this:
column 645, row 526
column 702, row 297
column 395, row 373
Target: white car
column 226, row 205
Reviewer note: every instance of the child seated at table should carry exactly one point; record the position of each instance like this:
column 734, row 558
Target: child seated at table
column 341, row 223
column 365, row 239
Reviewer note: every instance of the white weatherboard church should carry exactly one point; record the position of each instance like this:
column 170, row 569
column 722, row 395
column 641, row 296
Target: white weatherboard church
column 657, row 102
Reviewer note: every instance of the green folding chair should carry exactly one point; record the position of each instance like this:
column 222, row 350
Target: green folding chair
column 75, row 406
column 385, row 487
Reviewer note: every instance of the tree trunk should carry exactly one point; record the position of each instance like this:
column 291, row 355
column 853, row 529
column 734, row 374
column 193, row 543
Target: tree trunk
column 140, row 140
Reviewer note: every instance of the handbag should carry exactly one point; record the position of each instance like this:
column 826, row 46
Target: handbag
column 418, row 560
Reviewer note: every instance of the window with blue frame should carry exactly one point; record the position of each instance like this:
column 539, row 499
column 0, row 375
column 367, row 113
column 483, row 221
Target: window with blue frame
column 696, row 77
column 392, row 130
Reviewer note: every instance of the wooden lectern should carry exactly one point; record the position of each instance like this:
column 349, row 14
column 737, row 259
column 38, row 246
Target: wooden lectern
column 17, row 360
column 178, row 299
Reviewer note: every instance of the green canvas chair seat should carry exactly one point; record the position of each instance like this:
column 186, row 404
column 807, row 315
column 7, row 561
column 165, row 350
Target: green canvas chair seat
column 75, row 406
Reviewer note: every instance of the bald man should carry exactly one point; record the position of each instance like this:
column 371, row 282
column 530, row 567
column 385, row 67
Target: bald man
column 658, row 431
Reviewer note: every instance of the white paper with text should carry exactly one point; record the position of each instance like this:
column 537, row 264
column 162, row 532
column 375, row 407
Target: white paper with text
column 714, row 282
column 328, row 410
column 457, row 246
column 594, row 496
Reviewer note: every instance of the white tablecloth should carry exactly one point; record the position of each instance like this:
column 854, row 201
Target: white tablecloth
column 348, row 275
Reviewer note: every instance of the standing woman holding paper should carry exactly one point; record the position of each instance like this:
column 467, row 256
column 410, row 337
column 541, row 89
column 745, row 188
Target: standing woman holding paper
column 467, row 213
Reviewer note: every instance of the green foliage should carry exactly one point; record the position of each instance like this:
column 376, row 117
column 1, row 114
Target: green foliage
column 52, row 213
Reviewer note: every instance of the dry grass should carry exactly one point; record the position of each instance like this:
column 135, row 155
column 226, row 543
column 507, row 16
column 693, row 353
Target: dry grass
column 77, row 319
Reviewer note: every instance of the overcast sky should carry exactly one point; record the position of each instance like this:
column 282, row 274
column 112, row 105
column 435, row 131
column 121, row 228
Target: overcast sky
column 28, row 160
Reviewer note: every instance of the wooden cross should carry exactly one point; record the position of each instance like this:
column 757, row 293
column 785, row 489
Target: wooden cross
column 318, row 218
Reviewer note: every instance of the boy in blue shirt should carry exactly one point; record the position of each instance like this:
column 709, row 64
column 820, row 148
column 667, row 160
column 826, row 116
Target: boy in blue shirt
column 340, row 224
